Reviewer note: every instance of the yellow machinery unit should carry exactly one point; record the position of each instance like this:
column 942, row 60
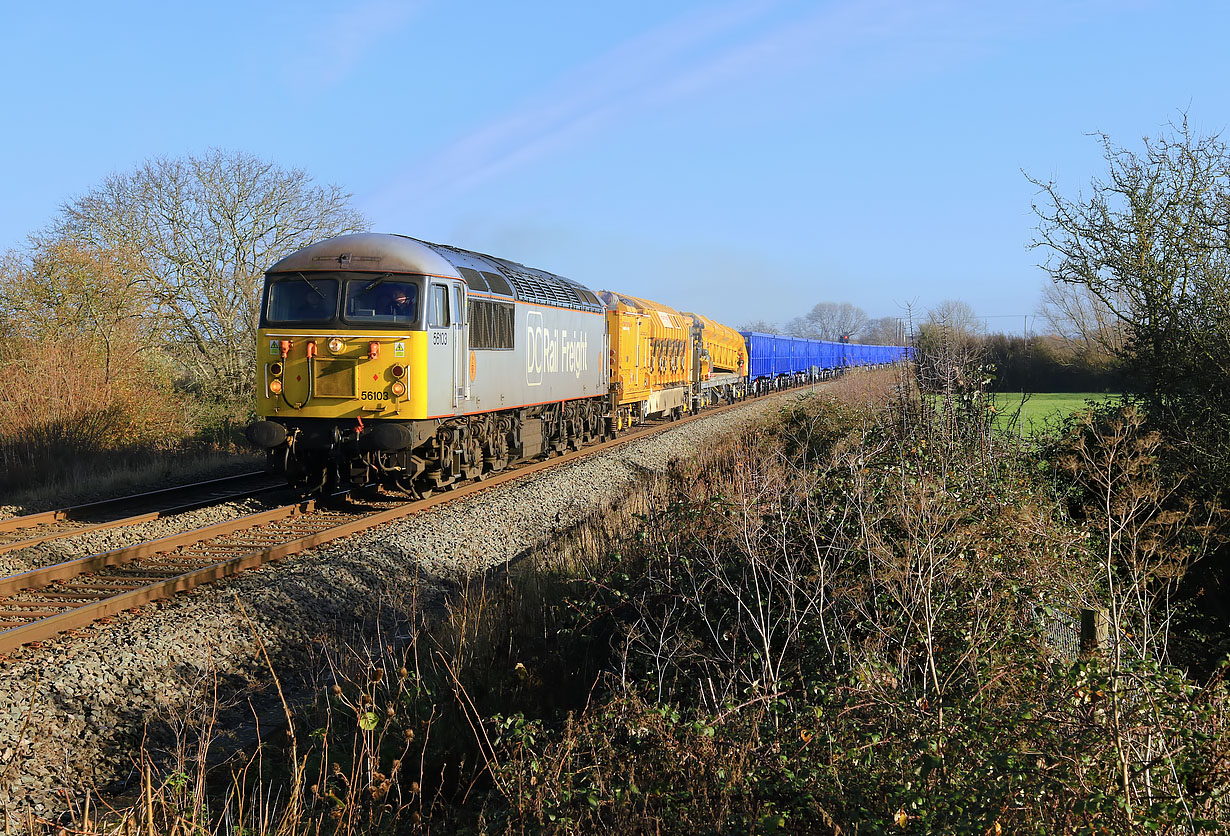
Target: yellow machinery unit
column 720, row 364
column 722, row 350
column 651, row 358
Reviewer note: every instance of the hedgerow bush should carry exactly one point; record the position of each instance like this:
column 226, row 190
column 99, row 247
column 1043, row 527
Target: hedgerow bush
column 830, row 628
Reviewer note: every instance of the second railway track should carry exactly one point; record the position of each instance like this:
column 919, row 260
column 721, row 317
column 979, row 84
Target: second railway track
column 29, row 530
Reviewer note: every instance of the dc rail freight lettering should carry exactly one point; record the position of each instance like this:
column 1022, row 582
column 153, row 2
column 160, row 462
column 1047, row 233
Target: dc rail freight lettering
column 383, row 359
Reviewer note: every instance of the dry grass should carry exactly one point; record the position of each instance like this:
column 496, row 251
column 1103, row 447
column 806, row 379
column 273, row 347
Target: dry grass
column 119, row 472
column 80, row 424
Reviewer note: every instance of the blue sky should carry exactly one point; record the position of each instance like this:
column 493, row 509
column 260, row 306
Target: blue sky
column 743, row 159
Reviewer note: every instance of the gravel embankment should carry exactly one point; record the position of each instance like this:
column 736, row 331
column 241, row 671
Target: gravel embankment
column 73, row 712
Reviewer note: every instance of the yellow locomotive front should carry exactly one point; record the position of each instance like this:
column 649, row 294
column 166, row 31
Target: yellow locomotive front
column 317, row 365
column 339, row 354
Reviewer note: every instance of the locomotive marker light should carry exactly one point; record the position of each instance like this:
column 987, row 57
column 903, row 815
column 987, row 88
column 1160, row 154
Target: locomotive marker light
column 336, row 344
column 398, row 371
column 274, row 374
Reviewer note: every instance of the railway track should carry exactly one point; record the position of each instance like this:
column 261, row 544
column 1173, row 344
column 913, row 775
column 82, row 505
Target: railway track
column 34, row 529
column 39, row 604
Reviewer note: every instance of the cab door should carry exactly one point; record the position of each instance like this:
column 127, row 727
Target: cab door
column 441, row 350
column 461, row 346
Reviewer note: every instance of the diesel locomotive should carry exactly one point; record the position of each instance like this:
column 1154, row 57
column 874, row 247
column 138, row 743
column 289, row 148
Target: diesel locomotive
column 383, row 359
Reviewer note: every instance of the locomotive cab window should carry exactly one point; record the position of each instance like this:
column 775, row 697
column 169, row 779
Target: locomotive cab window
column 382, row 301
column 301, row 298
column 438, row 316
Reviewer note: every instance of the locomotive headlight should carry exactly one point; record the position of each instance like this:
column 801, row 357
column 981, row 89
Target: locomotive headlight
column 398, row 371
column 275, row 386
column 336, row 344
column 398, row 388
column 275, row 369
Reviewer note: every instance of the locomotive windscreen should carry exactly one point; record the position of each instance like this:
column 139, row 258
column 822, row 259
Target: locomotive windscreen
column 298, row 298
column 369, row 299
column 382, row 301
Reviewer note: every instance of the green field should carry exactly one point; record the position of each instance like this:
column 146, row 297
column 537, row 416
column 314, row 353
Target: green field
column 1042, row 407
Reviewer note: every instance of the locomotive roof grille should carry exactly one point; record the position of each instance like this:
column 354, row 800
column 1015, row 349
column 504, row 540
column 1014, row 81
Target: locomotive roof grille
column 488, row 274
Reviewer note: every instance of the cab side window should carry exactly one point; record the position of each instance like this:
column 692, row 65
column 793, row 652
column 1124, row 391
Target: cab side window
column 438, row 317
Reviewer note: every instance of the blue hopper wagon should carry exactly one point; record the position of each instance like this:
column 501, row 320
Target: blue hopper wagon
column 777, row 361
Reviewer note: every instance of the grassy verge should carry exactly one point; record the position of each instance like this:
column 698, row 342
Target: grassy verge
column 1039, row 410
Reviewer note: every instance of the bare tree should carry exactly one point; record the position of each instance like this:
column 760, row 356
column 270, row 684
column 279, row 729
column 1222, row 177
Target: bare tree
column 884, row 330
column 950, row 358
column 203, row 229
column 829, row 321
column 955, row 316
column 1086, row 324
column 66, row 293
column 760, row 326
column 1150, row 240
column 1154, row 232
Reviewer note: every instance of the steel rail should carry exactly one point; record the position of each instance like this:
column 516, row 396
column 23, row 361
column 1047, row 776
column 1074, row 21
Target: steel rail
column 39, row 578
column 65, row 611
column 123, row 522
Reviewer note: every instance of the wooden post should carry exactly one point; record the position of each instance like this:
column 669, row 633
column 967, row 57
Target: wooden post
column 1095, row 631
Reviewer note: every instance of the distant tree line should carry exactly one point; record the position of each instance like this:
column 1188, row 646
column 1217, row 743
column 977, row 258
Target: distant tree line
column 1077, row 356
column 837, row 322
column 1047, row 363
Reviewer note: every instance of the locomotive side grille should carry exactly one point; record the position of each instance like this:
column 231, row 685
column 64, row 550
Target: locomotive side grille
column 333, row 378
column 491, row 325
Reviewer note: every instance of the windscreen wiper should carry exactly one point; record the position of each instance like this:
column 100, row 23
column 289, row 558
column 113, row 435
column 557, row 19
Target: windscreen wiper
column 309, row 284
column 374, row 283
